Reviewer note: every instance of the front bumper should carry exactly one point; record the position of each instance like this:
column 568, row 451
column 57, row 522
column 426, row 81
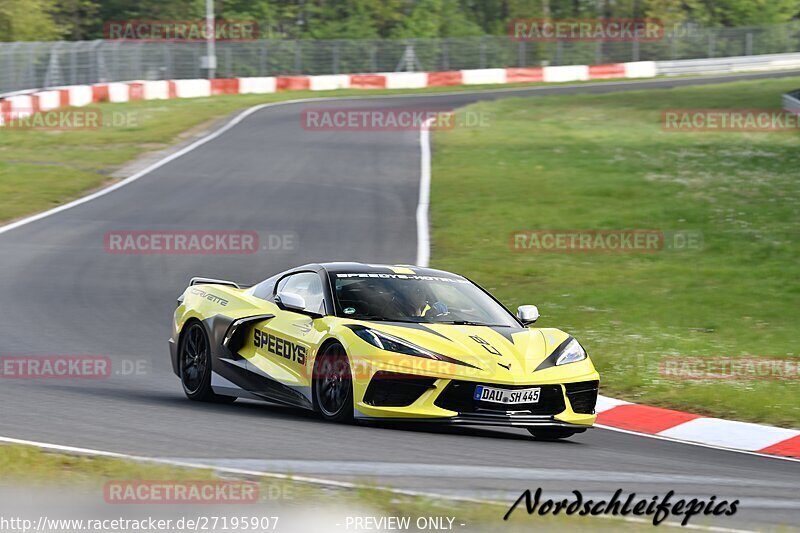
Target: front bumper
column 450, row 401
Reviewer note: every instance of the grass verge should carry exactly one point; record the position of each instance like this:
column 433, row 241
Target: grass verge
column 28, row 469
column 604, row 162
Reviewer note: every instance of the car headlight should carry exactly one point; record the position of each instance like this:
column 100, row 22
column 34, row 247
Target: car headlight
column 572, row 353
column 569, row 351
column 390, row 343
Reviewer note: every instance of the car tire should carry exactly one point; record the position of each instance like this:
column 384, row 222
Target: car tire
column 546, row 433
column 333, row 385
column 194, row 359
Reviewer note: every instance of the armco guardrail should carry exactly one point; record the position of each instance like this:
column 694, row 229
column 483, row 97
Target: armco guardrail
column 723, row 65
column 791, row 102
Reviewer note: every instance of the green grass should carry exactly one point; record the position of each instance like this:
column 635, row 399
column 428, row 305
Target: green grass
column 604, row 162
column 28, row 469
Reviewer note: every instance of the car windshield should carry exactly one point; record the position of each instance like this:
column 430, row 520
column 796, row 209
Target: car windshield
column 414, row 298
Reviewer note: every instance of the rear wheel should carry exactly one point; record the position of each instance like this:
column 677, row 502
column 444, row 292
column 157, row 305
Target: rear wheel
column 195, row 366
column 333, row 384
column 552, row 433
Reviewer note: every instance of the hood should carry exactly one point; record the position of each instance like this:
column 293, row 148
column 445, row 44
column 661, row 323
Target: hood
column 507, row 354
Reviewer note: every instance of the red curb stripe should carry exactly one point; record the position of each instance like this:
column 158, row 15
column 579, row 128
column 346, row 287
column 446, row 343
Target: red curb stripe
column 788, row 448
column 135, row 92
column 438, row 79
column 292, row 83
column 521, row 75
column 643, row 418
column 224, row 86
column 367, row 81
column 99, row 93
column 599, row 72
column 63, row 98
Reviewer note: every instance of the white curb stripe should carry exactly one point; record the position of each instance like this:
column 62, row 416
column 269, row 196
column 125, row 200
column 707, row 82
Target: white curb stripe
column 729, row 433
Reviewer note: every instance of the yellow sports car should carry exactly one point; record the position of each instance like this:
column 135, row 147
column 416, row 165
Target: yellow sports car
column 378, row 342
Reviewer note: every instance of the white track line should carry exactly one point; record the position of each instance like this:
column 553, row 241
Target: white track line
column 423, row 204
column 72, row 450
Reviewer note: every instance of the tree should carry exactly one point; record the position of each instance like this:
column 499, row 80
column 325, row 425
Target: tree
column 28, row 20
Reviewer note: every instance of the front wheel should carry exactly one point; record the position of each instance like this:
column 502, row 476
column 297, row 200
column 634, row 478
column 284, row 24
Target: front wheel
column 195, row 361
column 333, row 385
column 552, row 433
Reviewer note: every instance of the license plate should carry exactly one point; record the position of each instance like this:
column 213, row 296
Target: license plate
column 505, row 396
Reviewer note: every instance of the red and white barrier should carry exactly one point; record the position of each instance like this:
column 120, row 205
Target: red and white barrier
column 257, row 85
column 82, row 95
column 698, row 429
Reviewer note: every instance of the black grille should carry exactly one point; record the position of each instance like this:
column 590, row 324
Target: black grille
column 582, row 396
column 388, row 389
column 458, row 396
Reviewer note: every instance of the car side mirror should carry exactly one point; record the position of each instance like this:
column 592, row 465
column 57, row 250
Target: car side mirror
column 290, row 301
column 528, row 314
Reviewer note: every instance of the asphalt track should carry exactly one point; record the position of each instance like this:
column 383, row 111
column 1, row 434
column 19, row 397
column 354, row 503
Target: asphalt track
column 345, row 196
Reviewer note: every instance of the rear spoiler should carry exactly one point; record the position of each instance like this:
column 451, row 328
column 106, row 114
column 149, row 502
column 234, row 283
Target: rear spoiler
column 211, row 281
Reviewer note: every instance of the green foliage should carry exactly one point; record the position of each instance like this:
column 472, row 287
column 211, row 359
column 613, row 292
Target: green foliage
column 28, row 20
column 366, row 19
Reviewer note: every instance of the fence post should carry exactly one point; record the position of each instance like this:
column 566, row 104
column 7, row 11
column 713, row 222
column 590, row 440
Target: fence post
column 298, row 58
column 559, row 51
column 169, row 71
column 711, row 43
column 598, row 53
column 373, row 57
column 445, row 55
column 262, row 58
column 336, row 57
column 748, row 50
column 521, row 54
column 31, row 70
column 483, row 52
